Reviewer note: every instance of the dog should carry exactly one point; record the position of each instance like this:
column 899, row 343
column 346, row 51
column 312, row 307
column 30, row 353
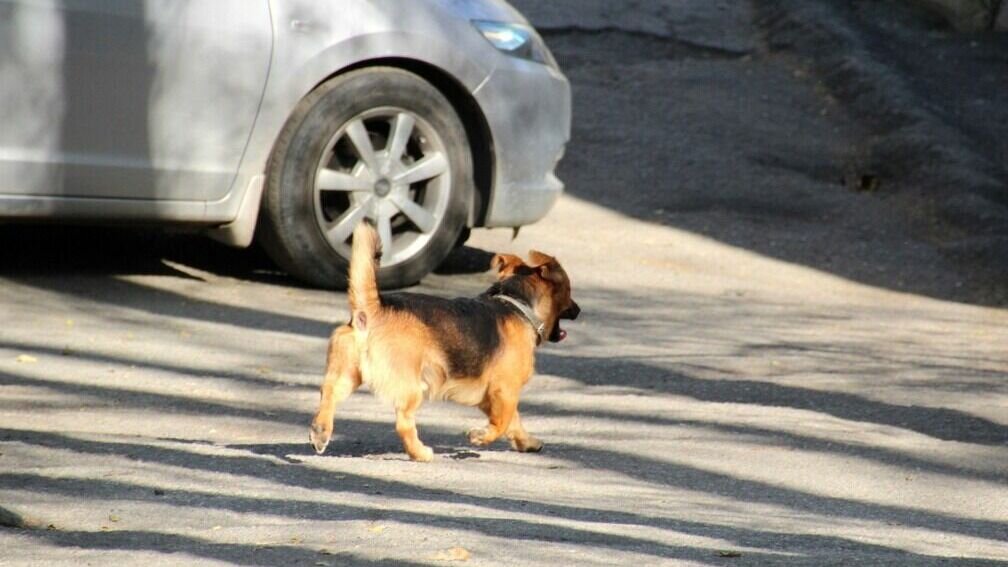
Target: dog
column 410, row 347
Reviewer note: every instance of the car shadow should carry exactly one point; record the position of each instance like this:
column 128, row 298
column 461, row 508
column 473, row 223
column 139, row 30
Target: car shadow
column 465, row 260
column 42, row 250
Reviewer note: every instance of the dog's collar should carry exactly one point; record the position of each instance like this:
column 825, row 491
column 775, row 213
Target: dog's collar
column 526, row 310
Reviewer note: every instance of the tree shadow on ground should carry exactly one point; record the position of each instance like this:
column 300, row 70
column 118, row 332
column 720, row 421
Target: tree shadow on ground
column 183, row 548
column 359, row 438
column 809, row 548
column 773, row 438
column 937, row 422
column 323, row 509
column 676, row 379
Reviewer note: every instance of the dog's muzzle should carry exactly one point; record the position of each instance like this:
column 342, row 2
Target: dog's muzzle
column 557, row 334
column 571, row 312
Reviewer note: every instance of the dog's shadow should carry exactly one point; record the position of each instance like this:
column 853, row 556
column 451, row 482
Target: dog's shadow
column 296, row 453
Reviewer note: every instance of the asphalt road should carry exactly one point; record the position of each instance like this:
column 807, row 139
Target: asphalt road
column 770, row 368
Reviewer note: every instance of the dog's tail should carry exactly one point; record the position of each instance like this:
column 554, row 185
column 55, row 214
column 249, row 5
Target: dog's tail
column 363, row 292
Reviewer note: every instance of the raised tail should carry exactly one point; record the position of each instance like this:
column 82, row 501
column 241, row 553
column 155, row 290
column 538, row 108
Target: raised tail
column 363, row 289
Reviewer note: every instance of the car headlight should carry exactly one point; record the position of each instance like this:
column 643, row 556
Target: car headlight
column 517, row 40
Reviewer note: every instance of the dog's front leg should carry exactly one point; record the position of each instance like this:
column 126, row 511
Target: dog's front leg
column 520, row 439
column 342, row 377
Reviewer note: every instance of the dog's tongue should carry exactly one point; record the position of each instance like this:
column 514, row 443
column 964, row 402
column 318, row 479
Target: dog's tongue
column 563, row 335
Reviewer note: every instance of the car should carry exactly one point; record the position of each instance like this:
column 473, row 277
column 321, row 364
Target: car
column 286, row 122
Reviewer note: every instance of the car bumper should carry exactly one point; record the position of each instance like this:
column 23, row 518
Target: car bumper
column 528, row 110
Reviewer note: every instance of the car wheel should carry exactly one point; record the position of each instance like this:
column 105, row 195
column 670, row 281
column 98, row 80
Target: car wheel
column 378, row 143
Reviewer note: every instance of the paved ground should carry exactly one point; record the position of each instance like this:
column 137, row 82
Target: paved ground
column 935, row 114
column 770, row 368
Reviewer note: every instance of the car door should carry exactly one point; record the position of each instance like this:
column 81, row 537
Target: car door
column 129, row 99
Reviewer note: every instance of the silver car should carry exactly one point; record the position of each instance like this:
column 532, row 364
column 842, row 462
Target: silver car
column 287, row 120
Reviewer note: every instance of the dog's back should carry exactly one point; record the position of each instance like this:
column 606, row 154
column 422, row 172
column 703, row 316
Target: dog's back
column 467, row 330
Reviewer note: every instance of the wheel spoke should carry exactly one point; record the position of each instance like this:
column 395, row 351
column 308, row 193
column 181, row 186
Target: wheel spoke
column 419, row 215
column 383, row 163
column 362, row 142
column 344, row 226
column 429, row 167
column 385, row 232
column 402, row 128
column 331, row 180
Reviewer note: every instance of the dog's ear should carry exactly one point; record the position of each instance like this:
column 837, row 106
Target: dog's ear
column 549, row 272
column 537, row 258
column 546, row 265
column 506, row 264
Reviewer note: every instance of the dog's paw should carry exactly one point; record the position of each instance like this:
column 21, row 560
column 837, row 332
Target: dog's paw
column 528, row 445
column 318, row 436
column 477, row 436
column 422, row 455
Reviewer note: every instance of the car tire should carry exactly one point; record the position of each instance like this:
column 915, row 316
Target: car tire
column 321, row 181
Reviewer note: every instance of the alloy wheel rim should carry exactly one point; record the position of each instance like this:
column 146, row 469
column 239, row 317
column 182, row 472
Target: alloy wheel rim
column 388, row 165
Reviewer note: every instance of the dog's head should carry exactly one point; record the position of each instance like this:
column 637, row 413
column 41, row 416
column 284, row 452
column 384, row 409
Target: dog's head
column 547, row 282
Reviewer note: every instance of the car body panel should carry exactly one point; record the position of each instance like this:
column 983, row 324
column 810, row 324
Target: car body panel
column 145, row 100
column 315, row 40
column 197, row 174
column 528, row 108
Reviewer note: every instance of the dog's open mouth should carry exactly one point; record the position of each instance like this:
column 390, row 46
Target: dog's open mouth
column 557, row 334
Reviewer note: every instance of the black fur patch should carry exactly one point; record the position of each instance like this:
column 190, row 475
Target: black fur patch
column 515, row 287
column 465, row 328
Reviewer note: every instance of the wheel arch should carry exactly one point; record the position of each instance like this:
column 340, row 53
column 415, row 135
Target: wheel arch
column 241, row 231
column 290, row 216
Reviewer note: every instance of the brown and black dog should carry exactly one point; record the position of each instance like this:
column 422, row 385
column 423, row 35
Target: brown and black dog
column 475, row 351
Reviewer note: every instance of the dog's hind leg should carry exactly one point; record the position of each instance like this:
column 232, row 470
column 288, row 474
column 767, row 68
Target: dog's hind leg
column 520, row 439
column 342, row 377
column 406, row 428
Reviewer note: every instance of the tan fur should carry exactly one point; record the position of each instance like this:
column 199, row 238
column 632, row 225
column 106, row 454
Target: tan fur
column 398, row 357
column 363, row 288
column 506, row 264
